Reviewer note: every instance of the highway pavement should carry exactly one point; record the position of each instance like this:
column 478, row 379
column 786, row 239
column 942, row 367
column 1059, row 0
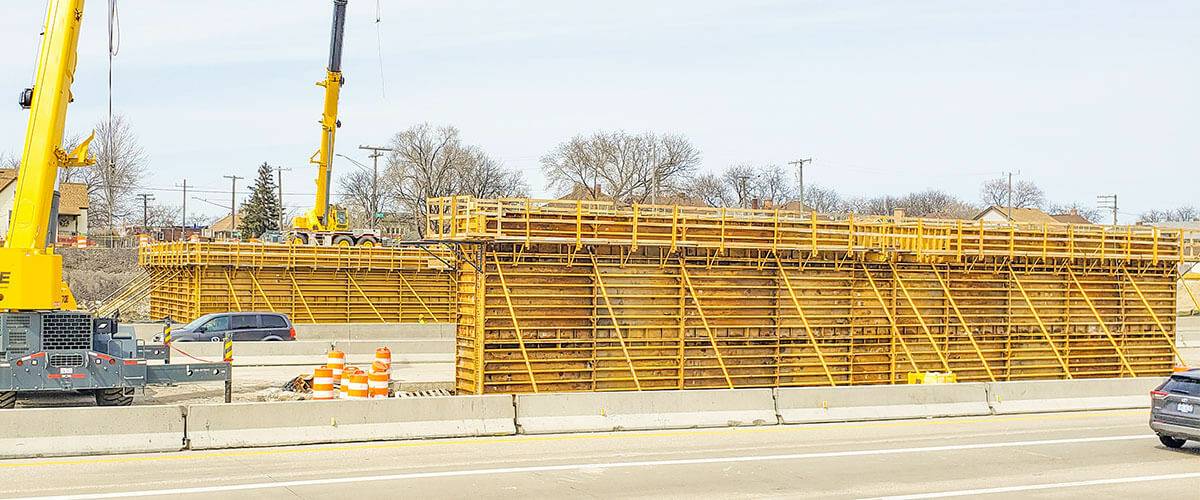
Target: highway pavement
column 1062, row 455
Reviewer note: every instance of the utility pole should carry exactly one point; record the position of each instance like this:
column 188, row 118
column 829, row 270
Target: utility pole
column 1010, row 207
column 183, row 225
column 279, row 180
column 1108, row 202
column 233, row 202
column 800, row 168
column 146, row 210
column 376, row 152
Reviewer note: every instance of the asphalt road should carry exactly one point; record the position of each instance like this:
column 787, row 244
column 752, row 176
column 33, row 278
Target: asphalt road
column 1050, row 455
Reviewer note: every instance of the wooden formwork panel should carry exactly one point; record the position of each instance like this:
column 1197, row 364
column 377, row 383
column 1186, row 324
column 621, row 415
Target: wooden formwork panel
column 310, row 284
column 557, row 317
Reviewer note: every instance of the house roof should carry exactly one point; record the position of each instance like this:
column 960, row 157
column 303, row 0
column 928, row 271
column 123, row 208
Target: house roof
column 7, row 176
column 72, row 198
column 223, row 224
column 1020, row 214
column 1070, row 218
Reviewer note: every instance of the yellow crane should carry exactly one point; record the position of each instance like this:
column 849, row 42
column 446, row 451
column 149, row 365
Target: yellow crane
column 326, row 223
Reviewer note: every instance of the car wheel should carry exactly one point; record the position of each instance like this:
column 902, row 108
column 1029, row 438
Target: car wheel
column 1170, row 442
column 214, row 339
column 343, row 241
column 8, row 400
column 272, row 339
column 113, row 397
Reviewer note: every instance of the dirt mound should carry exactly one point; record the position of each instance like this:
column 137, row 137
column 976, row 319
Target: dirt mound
column 95, row 273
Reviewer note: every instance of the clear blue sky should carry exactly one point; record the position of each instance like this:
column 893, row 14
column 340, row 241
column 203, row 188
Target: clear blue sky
column 1082, row 97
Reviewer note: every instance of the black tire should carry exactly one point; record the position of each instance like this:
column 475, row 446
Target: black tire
column 8, row 400
column 368, row 241
column 113, row 397
column 297, row 239
column 343, row 240
column 1172, row 443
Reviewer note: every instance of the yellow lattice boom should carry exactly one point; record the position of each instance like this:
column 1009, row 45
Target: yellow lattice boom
column 578, row 295
column 311, row 284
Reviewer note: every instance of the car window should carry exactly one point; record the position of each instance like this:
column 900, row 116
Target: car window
column 217, row 324
column 245, row 321
column 1182, row 385
column 272, row 321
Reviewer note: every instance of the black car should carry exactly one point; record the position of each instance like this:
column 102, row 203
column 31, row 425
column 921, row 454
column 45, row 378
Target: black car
column 243, row 326
column 1175, row 409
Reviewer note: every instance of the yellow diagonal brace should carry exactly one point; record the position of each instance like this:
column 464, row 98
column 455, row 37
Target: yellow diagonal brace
column 1041, row 325
column 365, row 297
column 803, row 318
column 261, row 292
column 1153, row 315
column 891, row 322
column 417, row 295
column 963, row 320
column 687, row 280
column 920, row 319
column 1184, row 281
column 232, row 292
column 1100, row 319
column 300, row 293
column 512, row 311
column 613, row 317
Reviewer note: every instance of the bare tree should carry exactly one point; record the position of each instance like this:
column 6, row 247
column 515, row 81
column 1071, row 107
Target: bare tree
column 428, row 162
column 632, row 168
column 742, row 183
column 1092, row 214
column 929, row 203
column 773, row 186
column 1025, row 194
column 1181, row 214
column 823, row 200
column 113, row 181
column 9, row 160
column 365, row 196
column 706, row 188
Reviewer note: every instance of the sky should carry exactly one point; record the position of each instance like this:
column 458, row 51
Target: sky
column 1080, row 97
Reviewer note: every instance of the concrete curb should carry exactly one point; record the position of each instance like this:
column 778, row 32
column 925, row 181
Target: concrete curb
column 611, row 411
column 847, row 404
column 1047, row 396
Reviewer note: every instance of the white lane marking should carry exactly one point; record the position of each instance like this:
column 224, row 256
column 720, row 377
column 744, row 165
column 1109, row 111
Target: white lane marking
column 1043, row 486
column 586, row 466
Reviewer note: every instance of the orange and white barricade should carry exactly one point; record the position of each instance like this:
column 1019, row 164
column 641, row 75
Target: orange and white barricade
column 383, row 358
column 336, row 361
column 377, row 384
column 345, row 381
column 322, row 386
column 359, row 388
column 81, row 241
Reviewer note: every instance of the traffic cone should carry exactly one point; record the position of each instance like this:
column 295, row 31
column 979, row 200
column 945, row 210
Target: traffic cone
column 336, row 361
column 322, row 386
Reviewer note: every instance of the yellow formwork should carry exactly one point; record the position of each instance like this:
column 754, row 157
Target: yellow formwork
column 567, row 301
column 311, row 284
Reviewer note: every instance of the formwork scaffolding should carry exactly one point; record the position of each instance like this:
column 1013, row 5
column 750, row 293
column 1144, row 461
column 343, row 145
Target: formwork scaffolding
column 578, row 295
column 311, row 284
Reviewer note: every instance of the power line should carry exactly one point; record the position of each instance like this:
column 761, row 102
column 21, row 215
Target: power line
column 233, row 201
column 1108, row 202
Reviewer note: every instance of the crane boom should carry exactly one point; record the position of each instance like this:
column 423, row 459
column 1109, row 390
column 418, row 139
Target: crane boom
column 324, row 216
column 30, row 272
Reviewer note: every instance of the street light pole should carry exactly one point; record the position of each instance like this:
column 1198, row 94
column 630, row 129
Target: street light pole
column 376, row 152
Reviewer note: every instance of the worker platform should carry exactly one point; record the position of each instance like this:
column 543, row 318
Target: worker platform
column 312, row 284
column 565, row 295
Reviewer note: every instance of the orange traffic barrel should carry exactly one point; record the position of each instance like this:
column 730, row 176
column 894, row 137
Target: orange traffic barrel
column 383, row 356
column 322, row 386
column 345, row 381
column 358, row 386
column 336, row 361
column 377, row 384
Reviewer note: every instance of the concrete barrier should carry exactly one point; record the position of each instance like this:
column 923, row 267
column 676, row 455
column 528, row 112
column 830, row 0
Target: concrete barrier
column 799, row 405
column 313, row 352
column 611, row 411
column 308, row 422
column 1043, row 396
column 90, row 431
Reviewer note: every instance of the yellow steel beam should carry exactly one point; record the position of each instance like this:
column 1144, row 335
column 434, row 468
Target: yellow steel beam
column 687, row 280
column 418, row 296
column 1162, row 329
column 891, row 321
column 961, row 319
column 1041, row 325
column 261, row 292
column 300, row 293
column 613, row 317
column 803, row 319
column 512, row 311
column 365, row 296
column 920, row 319
column 1100, row 319
column 232, row 292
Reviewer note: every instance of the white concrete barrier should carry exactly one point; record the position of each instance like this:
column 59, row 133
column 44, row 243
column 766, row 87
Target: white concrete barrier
column 307, row 422
column 611, row 411
column 46, row 432
column 799, row 405
column 1042, row 396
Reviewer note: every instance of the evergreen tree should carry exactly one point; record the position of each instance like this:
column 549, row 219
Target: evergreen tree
column 261, row 212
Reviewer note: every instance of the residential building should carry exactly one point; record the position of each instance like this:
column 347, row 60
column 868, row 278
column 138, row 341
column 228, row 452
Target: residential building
column 72, row 206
